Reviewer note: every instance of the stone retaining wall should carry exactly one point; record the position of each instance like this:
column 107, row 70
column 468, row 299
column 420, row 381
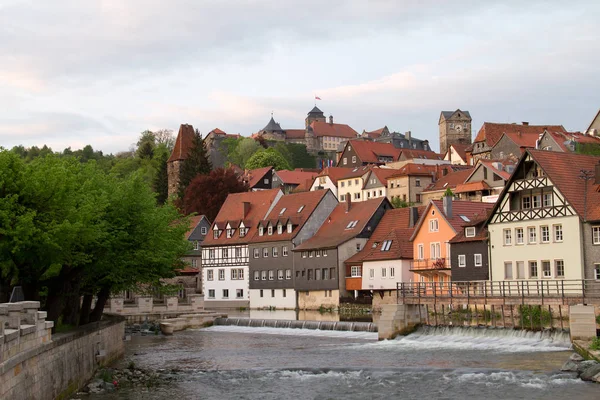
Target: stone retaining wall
column 38, row 365
column 145, row 309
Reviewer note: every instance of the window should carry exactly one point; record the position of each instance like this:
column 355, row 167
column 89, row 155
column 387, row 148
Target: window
column 353, row 159
column 520, row 270
column 288, row 274
column 265, row 252
column 239, row 293
column 211, row 254
column 243, row 231
column 417, row 182
column 356, row 182
column 234, row 274
column 280, row 274
column 263, row 275
column 275, row 251
column 355, row 271
column 597, row 271
column 526, row 202
column 470, row 231
column 279, row 229
column 311, row 254
column 194, row 263
column 203, row 230
column 261, row 293
column 229, row 233
column 383, row 272
column 272, row 292
column 211, row 293
column 533, row 270
column 478, row 260
column 537, row 200
column 386, row 245
column 256, row 253
column 507, row 237
column 309, row 275
column 435, row 251
column 345, row 160
column 225, row 293
column 433, row 225
column 210, row 275
column 356, row 196
column 318, row 274
column 420, row 251
column 342, row 184
column 318, row 253
column 216, row 234
column 221, row 274
column 519, row 235
column 357, row 247
column 371, row 273
column 545, row 234
column 256, row 275
column 392, row 272
column 196, row 245
column 532, row 234
column 596, row 234
column 301, row 208
column 271, row 275
column 269, row 230
column 332, row 273
column 284, row 251
column 283, row 293
column 558, row 233
column 238, row 252
column 325, row 273
column 289, row 227
column 508, row 273
column 546, row 269
column 266, row 181
column 342, row 197
column 547, row 199
column 225, row 253
column 304, row 254
column 380, row 192
column 559, row 268
column 462, row 260
column 261, row 231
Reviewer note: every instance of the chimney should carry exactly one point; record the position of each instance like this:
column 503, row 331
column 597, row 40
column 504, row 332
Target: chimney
column 246, row 205
column 447, row 201
column 525, row 123
column 413, row 216
column 407, row 136
column 331, row 119
column 597, row 175
column 348, row 202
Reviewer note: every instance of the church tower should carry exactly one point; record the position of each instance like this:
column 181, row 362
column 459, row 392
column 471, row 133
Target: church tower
column 455, row 128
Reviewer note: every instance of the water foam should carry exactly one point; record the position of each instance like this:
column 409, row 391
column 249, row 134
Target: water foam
column 292, row 332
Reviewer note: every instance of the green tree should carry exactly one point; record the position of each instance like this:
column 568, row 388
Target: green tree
column 161, row 180
column 300, row 157
column 146, row 145
column 197, row 163
column 246, row 147
column 268, row 158
column 397, row 202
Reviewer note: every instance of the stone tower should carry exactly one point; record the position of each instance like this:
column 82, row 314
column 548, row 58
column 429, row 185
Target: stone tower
column 455, row 128
column 314, row 115
column 181, row 150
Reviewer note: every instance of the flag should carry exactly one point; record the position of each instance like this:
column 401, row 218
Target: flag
column 317, row 98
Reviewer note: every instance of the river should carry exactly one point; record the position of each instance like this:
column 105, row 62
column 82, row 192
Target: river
column 230, row 362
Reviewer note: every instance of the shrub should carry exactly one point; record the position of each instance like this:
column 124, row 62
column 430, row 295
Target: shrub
column 595, row 343
column 531, row 316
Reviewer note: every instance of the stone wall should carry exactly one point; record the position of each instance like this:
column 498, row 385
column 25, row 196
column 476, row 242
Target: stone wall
column 389, row 297
column 146, row 308
column 37, row 365
column 314, row 299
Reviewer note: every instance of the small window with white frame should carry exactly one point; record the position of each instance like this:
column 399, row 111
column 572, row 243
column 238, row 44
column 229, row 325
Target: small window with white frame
column 256, row 275
column 470, row 231
column 353, row 159
column 289, row 227
column 263, row 275
column 558, row 232
column 546, row 269
column 420, row 251
column 256, row 253
column 279, row 229
column 275, row 251
column 203, row 230
column 462, row 260
column 596, row 234
column 355, row 271
column 519, row 236
column 547, row 199
column 559, row 268
column 545, row 234
column 280, row 274
column 284, row 251
column 434, row 225
column 597, row 271
column 270, row 230
column 371, row 273
column 265, row 252
column 288, row 274
column 478, row 260
column 210, row 275
column 507, row 237
column 532, row 235
column 271, row 275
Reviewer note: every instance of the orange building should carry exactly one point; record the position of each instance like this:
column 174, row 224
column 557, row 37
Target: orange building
column 440, row 222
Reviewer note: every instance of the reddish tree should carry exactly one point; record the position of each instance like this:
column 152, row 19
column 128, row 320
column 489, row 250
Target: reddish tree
column 261, row 140
column 206, row 193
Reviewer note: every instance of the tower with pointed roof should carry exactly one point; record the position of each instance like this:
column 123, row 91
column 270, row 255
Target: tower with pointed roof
column 455, row 128
column 314, row 115
column 272, row 131
column 181, row 151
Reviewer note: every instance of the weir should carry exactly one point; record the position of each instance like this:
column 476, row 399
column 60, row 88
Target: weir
column 349, row 326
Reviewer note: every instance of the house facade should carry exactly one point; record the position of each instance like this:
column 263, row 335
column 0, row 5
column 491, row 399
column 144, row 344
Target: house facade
column 358, row 153
column 328, row 178
column 295, row 218
column 408, row 182
column 350, row 186
column 225, row 254
column 469, row 260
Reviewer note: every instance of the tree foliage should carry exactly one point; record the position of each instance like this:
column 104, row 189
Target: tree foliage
column 206, row 193
column 268, row 158
column 70, row 229
column 397, row 202
column 196, row 164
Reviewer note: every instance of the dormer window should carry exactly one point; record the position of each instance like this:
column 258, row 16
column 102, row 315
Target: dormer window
column 301, row 208
column 282, row 211
column 279, row 229
column 261, row 231
column 270, row 230
column 289, row 227
column 470, row 231
column 243, row 231
column 229, row 233
column 386, row 245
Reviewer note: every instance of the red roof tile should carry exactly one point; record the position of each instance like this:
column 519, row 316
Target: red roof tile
column 500, row 172
column 410, row 154
column 461, row 149
column 524, row 140
column 321, row 128
column 217, row 131
column 334, row 230
column 383, row 174
column 183, row 143
column 290, row 204
column 334, row 173
column 416, row 170
column 369, row 152
column 393, row 226
column 376, row 133
column 471, row 187
column 450, row 181
column 232, row 212
column 491, row 132
column 295, row 133
column 254, row 176
column 295, row 177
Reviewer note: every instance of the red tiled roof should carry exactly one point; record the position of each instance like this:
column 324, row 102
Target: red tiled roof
column 393, row 226
column 368, row 152
column 461, row 149
column 334, row 173
column 415, row 170
column 321, row 128
column 450, row 181
column 232, row 212
column 563, row 169
column 356, row 172
column 217, row 131
column 492, row 132
column 578, row 137
column 383, row 174
column 295, row 177
column 471, row 187
column 290, row 204
column 295, row 133
column 333, row 232
column 502, row 173
column 255, row 175
column 376, row 133
column 524, row 140
column 183, row 143
column 410, row 154
column 480, row 234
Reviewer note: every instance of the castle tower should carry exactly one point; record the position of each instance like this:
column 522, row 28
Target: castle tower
column 314, row 115
column 455, row 128
column 181, row 151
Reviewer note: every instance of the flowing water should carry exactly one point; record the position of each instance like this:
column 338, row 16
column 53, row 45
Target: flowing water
column 233, row 362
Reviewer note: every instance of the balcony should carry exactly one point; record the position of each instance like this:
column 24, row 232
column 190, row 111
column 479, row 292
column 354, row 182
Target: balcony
column 430, row 264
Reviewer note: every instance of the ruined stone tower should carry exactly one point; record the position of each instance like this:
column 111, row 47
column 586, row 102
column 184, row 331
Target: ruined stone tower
column 181, row 150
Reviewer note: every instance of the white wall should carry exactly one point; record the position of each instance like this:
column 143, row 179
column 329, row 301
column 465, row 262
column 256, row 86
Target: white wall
column 218, row 285
column 570, row 250
column 327, row 185
column 401, row 274
column 279, row 302
column 352, row 189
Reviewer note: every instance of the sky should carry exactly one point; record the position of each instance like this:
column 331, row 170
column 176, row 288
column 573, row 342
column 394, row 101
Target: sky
column 100, row 72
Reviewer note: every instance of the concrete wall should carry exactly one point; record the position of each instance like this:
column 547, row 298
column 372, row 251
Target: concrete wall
column 275, row 298
column 46, row 366
column 314, row 299
column 145, row 309
column 373, row 279
column 591, row 252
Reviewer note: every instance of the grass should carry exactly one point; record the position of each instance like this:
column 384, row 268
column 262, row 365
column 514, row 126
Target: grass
column 62, row 328
column 534, row 316
column 106, row 375
column 595, row 345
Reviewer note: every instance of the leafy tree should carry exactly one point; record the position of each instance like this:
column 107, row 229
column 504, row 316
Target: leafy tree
column 207, row 193
column 165, row 137
column 448, row 193
column 161, row 180
column 246, row 147
column 196, row 163
column 397, row 202
column 146, row 145
column 587, row 148
column 268, row 158
column 300, row 157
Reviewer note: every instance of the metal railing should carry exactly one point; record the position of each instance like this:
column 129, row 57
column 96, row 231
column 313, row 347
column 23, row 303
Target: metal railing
column 430, row 264
column 586, row 289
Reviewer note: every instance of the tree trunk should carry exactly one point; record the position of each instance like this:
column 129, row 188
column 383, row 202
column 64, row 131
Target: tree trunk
column 72, row 302
column 100, row 302
column 54, row 303
column 86, row 308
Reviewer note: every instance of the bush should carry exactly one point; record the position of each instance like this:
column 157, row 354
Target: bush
column 531, row 316
column 595, row 343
